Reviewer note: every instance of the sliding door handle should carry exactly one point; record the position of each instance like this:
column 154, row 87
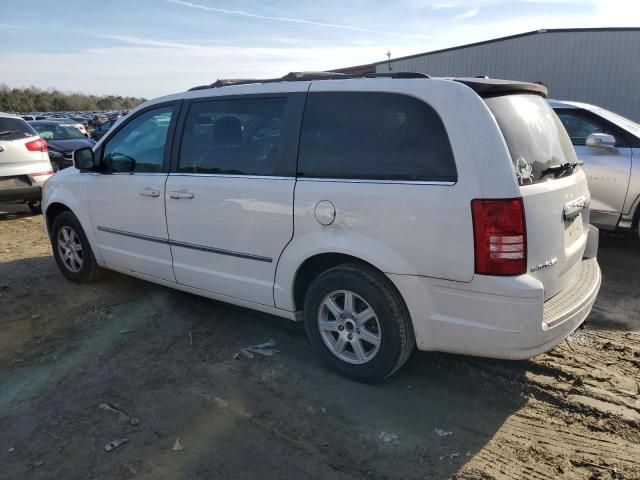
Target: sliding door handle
column 149, row 192
column 178, row 194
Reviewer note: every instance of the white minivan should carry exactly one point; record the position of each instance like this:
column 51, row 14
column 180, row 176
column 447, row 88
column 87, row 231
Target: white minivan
column 386, row 211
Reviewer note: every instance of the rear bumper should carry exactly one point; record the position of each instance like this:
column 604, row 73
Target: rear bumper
column 33, row 192
column 498, row 317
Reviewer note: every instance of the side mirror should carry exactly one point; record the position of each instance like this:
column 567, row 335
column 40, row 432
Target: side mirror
column 83, row 159
column 601, row 140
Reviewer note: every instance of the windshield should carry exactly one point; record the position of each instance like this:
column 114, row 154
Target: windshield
column 536, row 138
column 58, row 132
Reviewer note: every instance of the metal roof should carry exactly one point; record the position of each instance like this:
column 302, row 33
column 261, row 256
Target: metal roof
column 501, row 39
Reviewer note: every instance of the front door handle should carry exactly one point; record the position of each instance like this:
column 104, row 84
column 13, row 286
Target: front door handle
column 149, row 192
column 178, row 194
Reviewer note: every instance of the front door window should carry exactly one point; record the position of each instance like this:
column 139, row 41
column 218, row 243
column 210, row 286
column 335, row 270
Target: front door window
column 140, row 145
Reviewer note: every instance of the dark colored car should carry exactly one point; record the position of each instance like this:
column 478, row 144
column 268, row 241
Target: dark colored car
column 101, row 130
column 62, row 141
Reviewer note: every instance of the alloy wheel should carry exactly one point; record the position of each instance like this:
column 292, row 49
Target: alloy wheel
column 70, row 249
column 349, row 327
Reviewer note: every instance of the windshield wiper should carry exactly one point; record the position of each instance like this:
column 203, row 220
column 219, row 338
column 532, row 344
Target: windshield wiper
column 7, row 132
column 562, row 169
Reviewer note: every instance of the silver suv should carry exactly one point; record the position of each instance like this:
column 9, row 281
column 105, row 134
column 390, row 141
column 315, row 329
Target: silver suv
column 609, row 146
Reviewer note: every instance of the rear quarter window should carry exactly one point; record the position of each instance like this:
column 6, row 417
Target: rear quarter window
column 372, row 135
column 15, row 129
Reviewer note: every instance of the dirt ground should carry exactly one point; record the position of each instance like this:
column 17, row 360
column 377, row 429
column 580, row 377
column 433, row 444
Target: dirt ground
column 166, row 359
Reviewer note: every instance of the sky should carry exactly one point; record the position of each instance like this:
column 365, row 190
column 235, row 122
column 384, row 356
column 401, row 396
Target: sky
column 150, row 48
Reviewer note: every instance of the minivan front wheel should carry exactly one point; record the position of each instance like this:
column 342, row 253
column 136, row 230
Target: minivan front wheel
column 71, row 249
column 358, row 323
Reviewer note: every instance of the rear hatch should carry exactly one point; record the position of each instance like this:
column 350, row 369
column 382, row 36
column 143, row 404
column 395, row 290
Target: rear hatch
column 553, row 187
column 16, row 158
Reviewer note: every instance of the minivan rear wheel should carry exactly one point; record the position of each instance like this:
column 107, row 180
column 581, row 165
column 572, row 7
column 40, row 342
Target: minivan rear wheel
column 357, row 322
column 71, row 249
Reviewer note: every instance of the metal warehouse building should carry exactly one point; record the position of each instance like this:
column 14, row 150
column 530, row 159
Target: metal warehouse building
column 596, row 65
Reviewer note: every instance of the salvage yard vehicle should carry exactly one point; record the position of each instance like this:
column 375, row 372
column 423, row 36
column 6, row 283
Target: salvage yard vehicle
column 67, row 122
column 609, row 146
column 385, row 210
column 62, row 139
column 24, row 163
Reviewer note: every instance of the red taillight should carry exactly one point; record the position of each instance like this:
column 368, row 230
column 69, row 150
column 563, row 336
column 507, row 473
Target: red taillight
column 500, row 236
column 38, row 145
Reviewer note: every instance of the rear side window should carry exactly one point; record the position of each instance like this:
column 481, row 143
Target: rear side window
column 236, row 137
column 536, row 138
column 15, row 129
column 371, row 135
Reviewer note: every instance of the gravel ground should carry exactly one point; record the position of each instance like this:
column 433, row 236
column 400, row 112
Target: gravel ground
column 166, row 359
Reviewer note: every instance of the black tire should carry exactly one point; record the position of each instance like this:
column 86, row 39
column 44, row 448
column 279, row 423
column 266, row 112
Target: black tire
column 34, row 206
column 396, row 335
column 89, row 270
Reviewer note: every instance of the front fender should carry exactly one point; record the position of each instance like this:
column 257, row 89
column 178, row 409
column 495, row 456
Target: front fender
column 345, row 242
column 72, row 193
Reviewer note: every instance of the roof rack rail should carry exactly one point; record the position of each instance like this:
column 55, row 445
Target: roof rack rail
column 306, row 77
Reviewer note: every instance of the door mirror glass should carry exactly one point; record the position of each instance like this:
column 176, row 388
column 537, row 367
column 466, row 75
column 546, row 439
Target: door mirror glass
column 600, row 140
column 83, row 159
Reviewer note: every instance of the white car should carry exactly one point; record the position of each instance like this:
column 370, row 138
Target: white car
column 386, row 212
column 609, row 146
column 24, row 162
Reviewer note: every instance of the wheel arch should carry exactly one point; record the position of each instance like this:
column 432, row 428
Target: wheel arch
column 314, row 266
column 316, row 252
column 62, row 199
column 53, row 210
column 318, row 263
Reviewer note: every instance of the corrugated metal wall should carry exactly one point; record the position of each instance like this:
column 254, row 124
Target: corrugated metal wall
column 598, row 67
